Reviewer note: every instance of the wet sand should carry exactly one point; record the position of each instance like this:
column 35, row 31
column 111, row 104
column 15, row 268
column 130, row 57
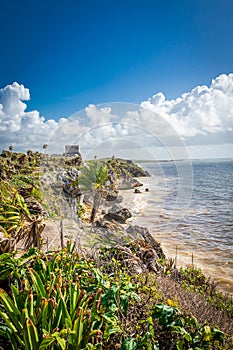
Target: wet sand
column 147, row 210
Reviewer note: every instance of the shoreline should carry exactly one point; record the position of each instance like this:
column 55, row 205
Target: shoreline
column 147, row 209
column 187, row 255
column 117, row 251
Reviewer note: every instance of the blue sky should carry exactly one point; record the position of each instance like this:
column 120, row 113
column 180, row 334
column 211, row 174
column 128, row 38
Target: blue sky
column 173, row 57
column 72, row 53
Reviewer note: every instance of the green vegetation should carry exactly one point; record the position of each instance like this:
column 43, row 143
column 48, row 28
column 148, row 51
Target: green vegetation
column 61, row 300
column 93, row 178
column 193, row 279
column 191, row 334
column 16, row 222
column 66, row 299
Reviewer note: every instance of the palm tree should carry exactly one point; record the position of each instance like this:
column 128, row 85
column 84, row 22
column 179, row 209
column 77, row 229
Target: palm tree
column 93, row 178
column 45, row 146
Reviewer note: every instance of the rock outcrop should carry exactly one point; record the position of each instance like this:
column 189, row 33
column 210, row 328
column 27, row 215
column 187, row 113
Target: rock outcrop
column 143, row 232
column 120, row 215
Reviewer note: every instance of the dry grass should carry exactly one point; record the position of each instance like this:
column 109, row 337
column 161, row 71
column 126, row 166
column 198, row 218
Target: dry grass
column 195, row 304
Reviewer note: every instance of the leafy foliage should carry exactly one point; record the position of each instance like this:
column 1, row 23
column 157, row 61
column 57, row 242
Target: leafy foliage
column 61, row 301
column 93, row 178
column 94, row 175
column 191, row 335
column 16, row 221
column 194, row 279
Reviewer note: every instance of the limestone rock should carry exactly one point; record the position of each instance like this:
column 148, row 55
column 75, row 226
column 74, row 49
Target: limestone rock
column 145, row 234
column 120, row 215
column 75, row 161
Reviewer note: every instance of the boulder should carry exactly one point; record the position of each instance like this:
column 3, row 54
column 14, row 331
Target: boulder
column 145, row 234
column 106, row 225
column 111, row 196
column 119, row 199
column 120, row 215
column 128, row 183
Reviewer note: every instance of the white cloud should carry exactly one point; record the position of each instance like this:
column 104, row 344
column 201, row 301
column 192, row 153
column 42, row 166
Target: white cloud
column 98, row 116
column 24, row 130
column 199, row 112
column 201, row 116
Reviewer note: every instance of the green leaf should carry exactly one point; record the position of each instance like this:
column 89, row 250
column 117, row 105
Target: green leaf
column 61, row 342
column 12, row 219
column 8, row 304
column 111, row 330
column 57, row 315
column 30, row 335
column 37, row 282
column 180, row 344
column 4, row 330
column 78, row 327
column 129, row 344
column 166, row 314
column 33, row 333
column 217, row 334
column 187, row 337
column 5, row 273
column 74, row 297
column 65, row 312
column 206, row 333
column 46, row 342
column 8, row 321
column 17, row 297
column 5, row 256
column 68, row 323
column 44, row 314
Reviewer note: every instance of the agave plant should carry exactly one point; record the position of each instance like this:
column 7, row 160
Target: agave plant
column 16, row 222
column 61, row 301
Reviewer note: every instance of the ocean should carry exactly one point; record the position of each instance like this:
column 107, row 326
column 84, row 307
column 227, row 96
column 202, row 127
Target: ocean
column 188, row 207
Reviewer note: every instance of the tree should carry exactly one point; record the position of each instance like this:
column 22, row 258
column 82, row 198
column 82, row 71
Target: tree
column 29, row 153
column 45, row 146
column 93, row 178
column 10, row 148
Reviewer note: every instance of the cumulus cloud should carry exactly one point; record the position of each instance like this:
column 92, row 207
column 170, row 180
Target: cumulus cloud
column 204, row 110
column 98, row 116
column 23, row 130
column 202, row 116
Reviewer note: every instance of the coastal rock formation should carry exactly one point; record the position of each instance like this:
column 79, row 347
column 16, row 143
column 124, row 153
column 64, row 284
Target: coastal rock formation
column 136, row 171
column 120, row 215
column 128, row 183
column 112, row 196
column 143, row 232
column 74, row 161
